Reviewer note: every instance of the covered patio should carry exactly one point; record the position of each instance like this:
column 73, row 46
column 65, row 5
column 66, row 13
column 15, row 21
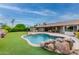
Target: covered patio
column 58, row 27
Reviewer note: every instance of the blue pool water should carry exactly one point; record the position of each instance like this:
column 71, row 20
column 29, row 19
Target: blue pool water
column 38, row 38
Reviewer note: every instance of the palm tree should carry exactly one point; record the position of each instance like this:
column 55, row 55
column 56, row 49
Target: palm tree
column 12, row 21
column 44, row 23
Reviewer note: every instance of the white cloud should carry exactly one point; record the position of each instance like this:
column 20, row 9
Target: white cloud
column 10, row 7
column 69, row 16
column 44, row 12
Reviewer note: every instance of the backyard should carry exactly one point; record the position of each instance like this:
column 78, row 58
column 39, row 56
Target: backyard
column 12, row 44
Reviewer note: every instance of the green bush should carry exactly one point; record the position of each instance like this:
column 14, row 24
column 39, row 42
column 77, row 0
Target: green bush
column 77, row 34
column 19, row 27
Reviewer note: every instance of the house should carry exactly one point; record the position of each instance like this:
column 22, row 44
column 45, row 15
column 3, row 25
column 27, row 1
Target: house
column 61, row 27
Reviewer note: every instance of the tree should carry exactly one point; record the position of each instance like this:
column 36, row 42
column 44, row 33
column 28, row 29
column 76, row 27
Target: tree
column 12, row 21
column 19, row 27
column 44, row 23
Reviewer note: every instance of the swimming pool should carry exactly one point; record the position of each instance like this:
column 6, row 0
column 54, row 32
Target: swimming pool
column 36, row 39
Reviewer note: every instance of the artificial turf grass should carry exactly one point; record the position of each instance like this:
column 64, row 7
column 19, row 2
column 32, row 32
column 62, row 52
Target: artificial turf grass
column 13, row 44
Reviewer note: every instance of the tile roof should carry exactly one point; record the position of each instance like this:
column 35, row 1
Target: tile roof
column 64, row 23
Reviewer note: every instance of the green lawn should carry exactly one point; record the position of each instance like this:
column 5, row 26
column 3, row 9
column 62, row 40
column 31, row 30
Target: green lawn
column 12, row 44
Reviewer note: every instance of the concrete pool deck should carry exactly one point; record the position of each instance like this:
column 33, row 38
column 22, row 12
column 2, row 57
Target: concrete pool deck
column 75, row 45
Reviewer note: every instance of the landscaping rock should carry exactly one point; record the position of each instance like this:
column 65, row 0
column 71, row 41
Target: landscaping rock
column 58, row 46
column 75, row 52
column 63, row 46
column 51, row 46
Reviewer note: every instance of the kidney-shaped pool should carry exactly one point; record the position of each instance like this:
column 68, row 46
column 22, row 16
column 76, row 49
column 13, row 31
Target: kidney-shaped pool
column 36, row 39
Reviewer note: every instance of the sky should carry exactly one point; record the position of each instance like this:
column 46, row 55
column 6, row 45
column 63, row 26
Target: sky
column 38, row 13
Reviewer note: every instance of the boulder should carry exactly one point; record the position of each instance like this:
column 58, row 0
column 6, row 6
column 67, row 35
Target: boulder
column 48, row 45
column 51, row 47
column 63, row 46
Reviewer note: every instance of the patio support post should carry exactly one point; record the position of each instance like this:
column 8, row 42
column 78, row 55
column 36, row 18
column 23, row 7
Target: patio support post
column 63, row 29
column 77, row 27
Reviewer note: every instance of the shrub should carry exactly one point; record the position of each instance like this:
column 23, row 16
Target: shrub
column 19, row 27
column 77, row 34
